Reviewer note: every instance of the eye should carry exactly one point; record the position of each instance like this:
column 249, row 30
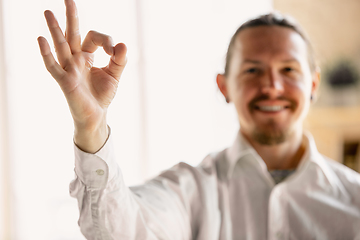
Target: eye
column 252, row 70
column 288, row 69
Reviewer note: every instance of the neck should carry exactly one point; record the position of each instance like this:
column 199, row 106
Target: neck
column 286, row 155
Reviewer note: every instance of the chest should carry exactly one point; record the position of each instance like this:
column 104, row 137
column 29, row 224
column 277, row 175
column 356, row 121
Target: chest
column 251, row 209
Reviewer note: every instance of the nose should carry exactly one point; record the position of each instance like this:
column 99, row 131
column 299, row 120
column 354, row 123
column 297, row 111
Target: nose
column 272, row 84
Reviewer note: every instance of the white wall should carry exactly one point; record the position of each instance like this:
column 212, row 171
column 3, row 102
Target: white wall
column 187, row 116
column 5, row 209
column 182, row 114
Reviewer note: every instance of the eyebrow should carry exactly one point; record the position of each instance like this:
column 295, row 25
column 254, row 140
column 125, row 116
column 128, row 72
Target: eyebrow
column 291, row 60
column 251, row 61
column 259, row 62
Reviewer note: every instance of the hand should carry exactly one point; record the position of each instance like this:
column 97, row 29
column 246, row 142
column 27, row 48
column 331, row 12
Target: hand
column 88, row 90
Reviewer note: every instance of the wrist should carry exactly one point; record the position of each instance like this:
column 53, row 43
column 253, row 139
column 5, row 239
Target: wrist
column 91, row 139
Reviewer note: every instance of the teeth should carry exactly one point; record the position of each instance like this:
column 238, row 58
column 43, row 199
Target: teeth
column 271, row 108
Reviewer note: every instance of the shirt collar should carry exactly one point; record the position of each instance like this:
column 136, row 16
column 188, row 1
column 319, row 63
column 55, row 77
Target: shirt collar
column 312, row 156
column 241, row 147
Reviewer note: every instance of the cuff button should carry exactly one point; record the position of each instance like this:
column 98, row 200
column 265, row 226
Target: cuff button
column 100, row 172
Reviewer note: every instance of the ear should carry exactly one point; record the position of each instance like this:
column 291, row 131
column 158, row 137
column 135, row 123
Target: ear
column 315, row 83
column 221, row 82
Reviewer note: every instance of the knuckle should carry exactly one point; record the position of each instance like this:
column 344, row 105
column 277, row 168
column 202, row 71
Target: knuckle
column 76, row 32
column 49, row 67
column 91, row 33
column 109, row 38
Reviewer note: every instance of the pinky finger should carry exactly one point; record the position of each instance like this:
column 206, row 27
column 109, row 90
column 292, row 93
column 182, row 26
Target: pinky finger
column 51, row 65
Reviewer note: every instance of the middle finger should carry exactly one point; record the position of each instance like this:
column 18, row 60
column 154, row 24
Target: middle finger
column 72, row 33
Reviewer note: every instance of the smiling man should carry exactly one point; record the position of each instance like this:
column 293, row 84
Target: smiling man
column 271, row 81
column 272, row 183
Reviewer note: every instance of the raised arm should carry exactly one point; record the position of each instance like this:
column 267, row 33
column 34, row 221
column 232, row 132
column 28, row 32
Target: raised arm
column 88, row 90
column 168, row 207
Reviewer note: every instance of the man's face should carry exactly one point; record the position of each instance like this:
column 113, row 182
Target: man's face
column 270, row 83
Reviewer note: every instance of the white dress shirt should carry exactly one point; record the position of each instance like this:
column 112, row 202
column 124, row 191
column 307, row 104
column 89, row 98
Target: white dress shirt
column 230, row 195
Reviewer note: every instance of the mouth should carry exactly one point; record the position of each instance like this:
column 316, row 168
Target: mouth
column 271, row 108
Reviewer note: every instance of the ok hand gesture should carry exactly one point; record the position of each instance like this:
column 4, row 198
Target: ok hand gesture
column 88, row 90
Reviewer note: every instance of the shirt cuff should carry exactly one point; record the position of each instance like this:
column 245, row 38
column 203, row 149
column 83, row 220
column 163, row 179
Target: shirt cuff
column 95, row 170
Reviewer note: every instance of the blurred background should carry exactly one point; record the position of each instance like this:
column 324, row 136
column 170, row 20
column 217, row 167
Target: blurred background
column 334, row 119
column 167, row 108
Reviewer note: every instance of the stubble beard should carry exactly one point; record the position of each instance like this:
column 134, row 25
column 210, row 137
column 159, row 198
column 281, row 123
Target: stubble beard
column 270, row 135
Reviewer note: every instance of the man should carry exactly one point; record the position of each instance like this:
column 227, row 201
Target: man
column 271, row 184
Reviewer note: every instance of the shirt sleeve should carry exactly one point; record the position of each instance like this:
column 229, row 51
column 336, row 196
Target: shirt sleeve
column 166, row 207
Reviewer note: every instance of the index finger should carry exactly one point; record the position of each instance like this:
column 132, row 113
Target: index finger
column 72, row 33
column 117, row 61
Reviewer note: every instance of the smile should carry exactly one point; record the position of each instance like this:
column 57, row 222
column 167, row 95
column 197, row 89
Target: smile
column 273, row 108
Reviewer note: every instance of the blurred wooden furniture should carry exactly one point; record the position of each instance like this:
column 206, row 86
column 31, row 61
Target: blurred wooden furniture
column 336, row 131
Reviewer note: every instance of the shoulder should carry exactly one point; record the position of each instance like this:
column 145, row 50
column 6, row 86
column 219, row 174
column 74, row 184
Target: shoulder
column 215, row 164
column 349, row 178
column 207, row 167
column 345, row 173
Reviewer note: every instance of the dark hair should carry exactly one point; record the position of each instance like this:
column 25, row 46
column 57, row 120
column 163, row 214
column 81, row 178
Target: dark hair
column 272, row 19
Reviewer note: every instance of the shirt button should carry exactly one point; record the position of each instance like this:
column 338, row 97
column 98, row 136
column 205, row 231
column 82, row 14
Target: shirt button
column 100, row 172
